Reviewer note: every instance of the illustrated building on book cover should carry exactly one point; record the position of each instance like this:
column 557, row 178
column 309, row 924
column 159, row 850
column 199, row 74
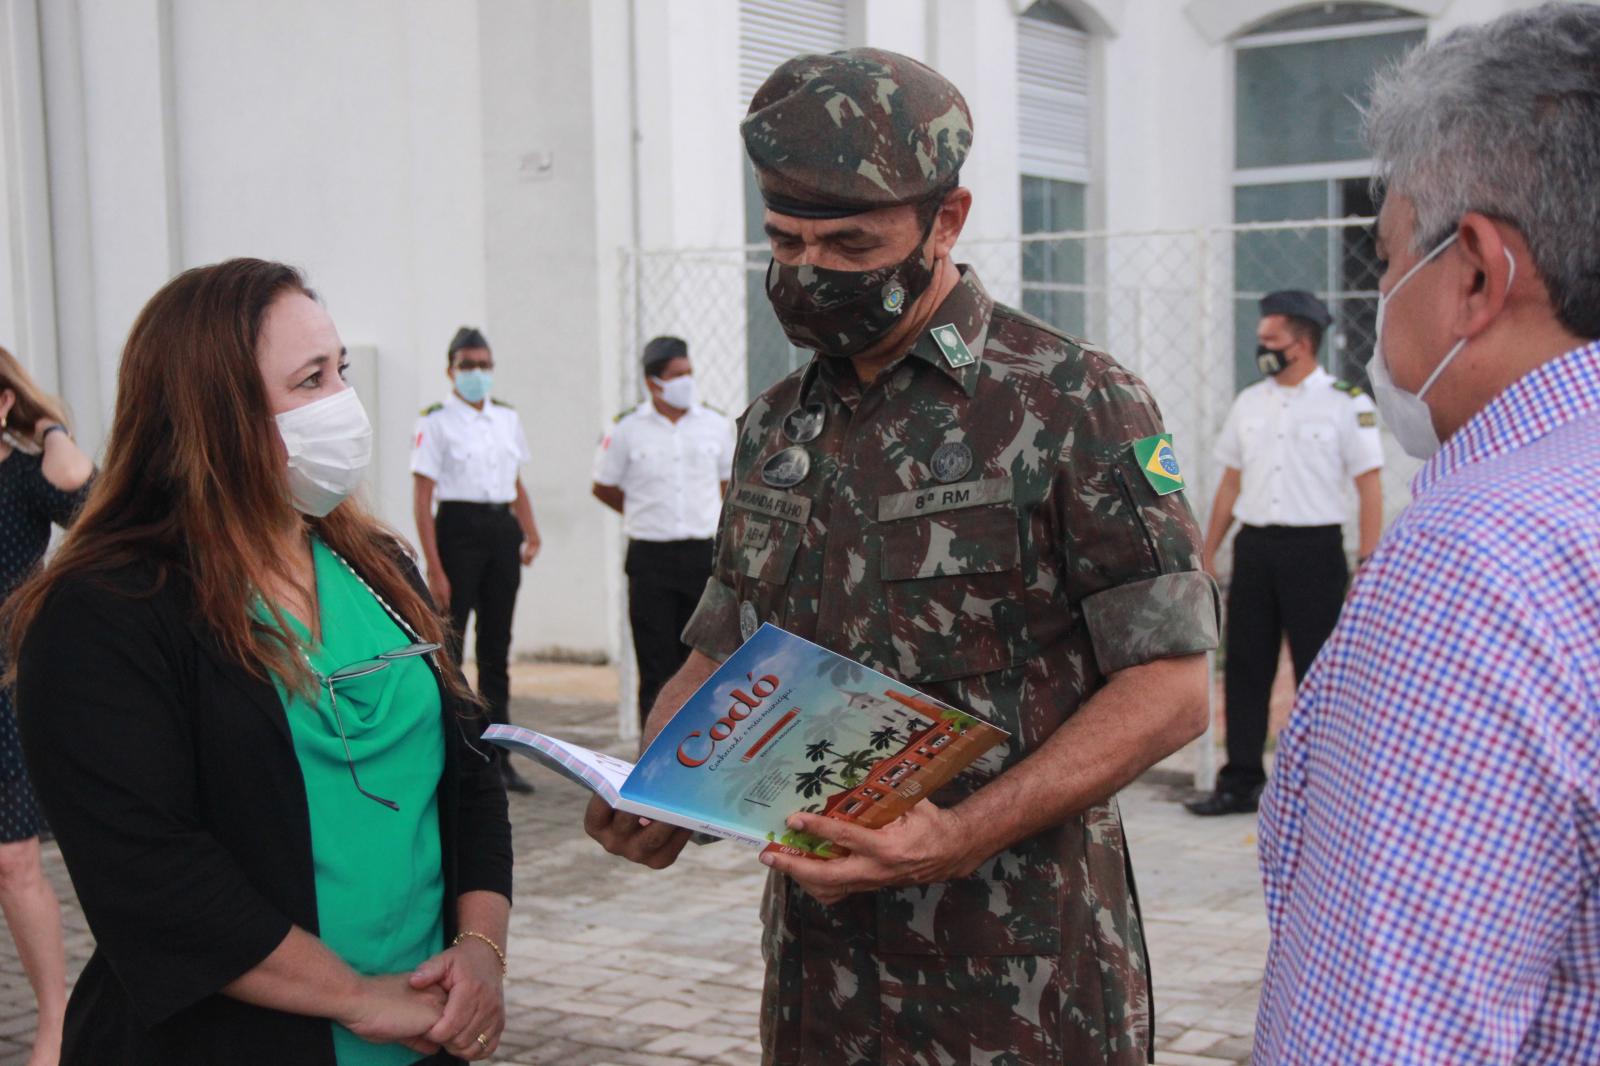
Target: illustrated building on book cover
column 902, row 774
column 783, row 726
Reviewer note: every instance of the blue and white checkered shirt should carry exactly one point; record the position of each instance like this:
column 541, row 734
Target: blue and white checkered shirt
column 1430, row 840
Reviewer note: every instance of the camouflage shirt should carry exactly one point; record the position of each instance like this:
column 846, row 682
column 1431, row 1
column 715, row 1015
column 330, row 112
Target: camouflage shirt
column 977, row 522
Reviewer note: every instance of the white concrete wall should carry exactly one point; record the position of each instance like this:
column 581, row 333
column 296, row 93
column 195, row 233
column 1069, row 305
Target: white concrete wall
column 342, row 138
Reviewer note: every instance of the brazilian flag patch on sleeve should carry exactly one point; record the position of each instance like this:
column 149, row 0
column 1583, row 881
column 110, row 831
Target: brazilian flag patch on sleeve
column 1159, row 463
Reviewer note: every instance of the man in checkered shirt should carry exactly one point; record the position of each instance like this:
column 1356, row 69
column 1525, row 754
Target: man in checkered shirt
column 1430, row 839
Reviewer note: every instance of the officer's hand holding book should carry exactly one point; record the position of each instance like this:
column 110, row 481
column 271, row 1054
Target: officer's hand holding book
column 925, row 845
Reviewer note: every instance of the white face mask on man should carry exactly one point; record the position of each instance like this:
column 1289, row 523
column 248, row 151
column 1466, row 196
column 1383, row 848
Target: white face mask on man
column 329, row 444
column 677, row 392
column 1405, row 413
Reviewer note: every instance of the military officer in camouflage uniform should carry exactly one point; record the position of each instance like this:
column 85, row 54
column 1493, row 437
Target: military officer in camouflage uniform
column 967, row 499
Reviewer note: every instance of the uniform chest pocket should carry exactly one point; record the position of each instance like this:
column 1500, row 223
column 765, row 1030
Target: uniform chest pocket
column 759, row 546
column 954, row 591
column 1252, row 430
column 758, row 552
column 1316, row 431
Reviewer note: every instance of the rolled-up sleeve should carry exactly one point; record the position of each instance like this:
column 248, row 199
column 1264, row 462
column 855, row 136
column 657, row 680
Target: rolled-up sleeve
column 1132, row 550
column 109, row 747
column 713, row 629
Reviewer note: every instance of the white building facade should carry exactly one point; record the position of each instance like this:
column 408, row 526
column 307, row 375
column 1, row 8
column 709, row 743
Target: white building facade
column 432, row 163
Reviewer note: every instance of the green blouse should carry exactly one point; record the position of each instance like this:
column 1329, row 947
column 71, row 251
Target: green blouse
column 380, row 886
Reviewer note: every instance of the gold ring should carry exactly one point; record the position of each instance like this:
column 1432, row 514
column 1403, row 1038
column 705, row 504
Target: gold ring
column 483, row 1041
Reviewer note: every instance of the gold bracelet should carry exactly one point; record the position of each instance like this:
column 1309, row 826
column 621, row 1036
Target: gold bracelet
column 479, row 936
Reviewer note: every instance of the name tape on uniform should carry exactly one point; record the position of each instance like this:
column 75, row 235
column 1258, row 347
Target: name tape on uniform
column 944, row 498
column 770, row 502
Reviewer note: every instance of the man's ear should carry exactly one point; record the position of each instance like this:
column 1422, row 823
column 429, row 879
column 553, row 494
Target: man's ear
column 1482, row 285
column 950, row 220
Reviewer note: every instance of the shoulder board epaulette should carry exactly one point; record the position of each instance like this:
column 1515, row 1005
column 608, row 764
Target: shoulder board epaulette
column 432, row 407
column 498, row 402
column 1349, row 387
column 715, row 410
column 624, row 413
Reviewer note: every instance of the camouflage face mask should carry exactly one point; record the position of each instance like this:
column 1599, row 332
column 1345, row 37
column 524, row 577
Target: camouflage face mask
column 844, row 312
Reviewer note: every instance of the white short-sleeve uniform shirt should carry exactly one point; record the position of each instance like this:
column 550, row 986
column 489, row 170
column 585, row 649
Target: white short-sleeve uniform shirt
column 1298, row 450
column 670, row 473
column 471, row 455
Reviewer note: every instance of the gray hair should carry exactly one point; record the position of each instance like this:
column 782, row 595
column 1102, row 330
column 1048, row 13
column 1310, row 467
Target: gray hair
column 1504, row 119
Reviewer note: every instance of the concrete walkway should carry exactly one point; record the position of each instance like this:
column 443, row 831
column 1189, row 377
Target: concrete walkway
column 616, row 965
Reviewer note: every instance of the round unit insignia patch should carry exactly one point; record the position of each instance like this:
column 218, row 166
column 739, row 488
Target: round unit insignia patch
column 748, row 622
column 786, row 469
column 804, row 424
column 951, row 462
column 894, row 297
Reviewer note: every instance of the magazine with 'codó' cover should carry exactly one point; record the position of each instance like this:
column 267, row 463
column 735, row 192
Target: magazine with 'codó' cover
column 782, row 726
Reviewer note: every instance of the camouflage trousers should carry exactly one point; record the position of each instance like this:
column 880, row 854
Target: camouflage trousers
column 960, row 993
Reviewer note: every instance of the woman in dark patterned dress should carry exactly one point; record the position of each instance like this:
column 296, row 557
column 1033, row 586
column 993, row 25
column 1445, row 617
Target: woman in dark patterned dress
column 43, row 479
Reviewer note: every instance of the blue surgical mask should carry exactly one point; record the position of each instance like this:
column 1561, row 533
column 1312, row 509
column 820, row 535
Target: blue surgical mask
column 1405, row 413
column 474, row 385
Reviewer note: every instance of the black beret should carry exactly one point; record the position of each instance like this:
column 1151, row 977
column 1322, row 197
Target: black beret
column 467, row 337
column 1296, row 303
column 662, row 350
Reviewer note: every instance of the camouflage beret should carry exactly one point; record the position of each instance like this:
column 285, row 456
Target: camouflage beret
column 853, row 131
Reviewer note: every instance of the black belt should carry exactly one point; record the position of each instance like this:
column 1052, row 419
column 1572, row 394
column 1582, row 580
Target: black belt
column 1289, row 532
column 695, row 542
column 469, row 505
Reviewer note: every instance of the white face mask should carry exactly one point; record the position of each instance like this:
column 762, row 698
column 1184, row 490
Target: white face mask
column 677, row 392
column 1405, row 413
column 329, row 444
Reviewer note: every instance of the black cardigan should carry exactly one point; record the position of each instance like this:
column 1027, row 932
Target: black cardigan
column 170, row 779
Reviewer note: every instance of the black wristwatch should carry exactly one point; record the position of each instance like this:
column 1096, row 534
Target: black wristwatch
column 54, row 427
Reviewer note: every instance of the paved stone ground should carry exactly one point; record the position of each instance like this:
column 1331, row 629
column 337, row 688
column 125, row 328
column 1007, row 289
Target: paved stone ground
column 614, row 965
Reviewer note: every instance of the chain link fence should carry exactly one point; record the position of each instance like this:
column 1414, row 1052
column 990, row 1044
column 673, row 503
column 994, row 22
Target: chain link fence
column 1177, row 307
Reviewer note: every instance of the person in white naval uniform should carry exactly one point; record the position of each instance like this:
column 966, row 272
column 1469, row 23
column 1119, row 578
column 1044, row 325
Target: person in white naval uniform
column 466, row 457
column 1292, row 448
column 664, row 466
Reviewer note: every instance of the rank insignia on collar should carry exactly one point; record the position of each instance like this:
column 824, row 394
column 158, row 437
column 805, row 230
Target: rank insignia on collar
column 955, row 350
column 1159, row 463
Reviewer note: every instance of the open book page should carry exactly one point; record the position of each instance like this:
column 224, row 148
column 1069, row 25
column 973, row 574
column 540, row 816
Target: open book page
column 595, row 770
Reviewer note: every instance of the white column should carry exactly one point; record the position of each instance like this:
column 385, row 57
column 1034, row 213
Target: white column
column 131, row 184
column 548, row 184
column 27, row 284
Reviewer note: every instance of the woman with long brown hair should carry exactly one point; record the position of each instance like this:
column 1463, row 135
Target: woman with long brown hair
column 42, row 475
column 242, row 726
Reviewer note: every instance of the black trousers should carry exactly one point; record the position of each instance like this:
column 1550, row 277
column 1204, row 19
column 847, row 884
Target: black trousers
column 1286, row 580
column 665, row 580
column 480, row 545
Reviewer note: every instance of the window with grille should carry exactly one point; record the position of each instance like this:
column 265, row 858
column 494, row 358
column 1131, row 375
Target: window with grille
column 1053, row 148
column 1299, row 82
